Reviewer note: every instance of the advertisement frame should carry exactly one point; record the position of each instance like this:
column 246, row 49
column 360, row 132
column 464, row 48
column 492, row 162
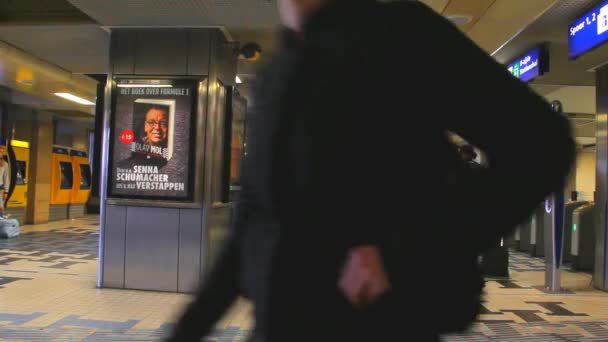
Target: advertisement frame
column 193, row 83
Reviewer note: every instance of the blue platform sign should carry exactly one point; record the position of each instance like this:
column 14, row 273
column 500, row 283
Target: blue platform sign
column 528, row 66
column 588, row 31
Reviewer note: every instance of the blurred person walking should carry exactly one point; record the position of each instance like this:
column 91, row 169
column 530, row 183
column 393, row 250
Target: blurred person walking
column 335, row 237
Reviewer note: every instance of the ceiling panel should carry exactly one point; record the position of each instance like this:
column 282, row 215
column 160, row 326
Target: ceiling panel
column 544, row 89
column 238, row 14
column 473, row 8
column 40, row 12
column 552, row 28
column 78, row 48
column 38, row 80
column 505, row 19
column 576, row 99
column 437, row 5
column 493, row 22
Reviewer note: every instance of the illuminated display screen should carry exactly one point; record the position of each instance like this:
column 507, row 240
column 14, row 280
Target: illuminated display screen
column 528, row 66
column 588, row 31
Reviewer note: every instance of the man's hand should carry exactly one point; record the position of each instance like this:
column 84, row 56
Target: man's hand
column 363, row 278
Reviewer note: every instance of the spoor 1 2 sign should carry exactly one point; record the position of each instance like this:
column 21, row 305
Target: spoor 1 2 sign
column 588, row 31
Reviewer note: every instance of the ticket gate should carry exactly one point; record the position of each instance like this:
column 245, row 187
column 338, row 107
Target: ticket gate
column 62, row 182
column 516, row 238
column 568, row 216
column 582, row 248
column 81, row 186
column 512, row 240
column 537, row 232
column 524, row 236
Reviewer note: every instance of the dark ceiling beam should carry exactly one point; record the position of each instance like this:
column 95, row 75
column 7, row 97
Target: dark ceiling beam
column 48, row 18
column 34, row 12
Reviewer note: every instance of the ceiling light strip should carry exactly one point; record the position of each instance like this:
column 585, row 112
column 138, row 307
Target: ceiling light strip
column 75, row 98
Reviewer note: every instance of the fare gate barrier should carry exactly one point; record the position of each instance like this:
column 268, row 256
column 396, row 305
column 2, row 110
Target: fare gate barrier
column 583, row 238
column 517, row 236
column 537, row 233
column 525, row 231
column 568, row 222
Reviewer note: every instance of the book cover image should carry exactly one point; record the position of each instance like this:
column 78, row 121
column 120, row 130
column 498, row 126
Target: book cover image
column 151, row 142
column 153, row 120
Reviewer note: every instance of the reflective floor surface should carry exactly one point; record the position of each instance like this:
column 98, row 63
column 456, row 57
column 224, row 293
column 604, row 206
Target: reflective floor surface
column 48, row 293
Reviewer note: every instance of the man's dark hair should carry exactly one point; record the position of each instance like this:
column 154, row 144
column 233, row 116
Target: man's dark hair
column 156, row 107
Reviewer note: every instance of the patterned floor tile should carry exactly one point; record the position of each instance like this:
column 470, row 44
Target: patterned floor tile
column 47, row 293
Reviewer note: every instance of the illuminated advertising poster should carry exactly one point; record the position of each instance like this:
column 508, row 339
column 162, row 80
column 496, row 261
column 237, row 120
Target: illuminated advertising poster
column 151, row 152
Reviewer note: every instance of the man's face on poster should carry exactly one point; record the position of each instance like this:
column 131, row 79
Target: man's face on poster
column 157, row 126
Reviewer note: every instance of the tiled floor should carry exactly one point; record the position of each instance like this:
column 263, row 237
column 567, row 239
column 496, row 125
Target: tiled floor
column 48, row 293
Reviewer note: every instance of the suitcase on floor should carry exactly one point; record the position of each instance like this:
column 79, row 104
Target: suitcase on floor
column 9, row 228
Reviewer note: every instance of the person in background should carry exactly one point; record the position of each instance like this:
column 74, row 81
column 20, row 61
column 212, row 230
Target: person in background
column 327, row 248
column 4, row 180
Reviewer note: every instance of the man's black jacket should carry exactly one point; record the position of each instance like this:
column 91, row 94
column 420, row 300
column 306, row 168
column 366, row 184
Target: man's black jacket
column 348, row 147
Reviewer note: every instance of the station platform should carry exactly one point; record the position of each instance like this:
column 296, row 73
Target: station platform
column 48, row 293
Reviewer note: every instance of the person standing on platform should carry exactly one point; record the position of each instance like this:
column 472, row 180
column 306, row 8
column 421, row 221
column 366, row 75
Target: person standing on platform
column 4, row 181
column 329, row 243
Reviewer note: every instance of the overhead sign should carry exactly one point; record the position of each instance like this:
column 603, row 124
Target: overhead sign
column 528, row 66
column 588, row 31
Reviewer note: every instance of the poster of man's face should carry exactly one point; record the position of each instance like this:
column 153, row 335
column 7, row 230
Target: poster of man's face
column 156, row 126
column 151, row 142
column 153, row 120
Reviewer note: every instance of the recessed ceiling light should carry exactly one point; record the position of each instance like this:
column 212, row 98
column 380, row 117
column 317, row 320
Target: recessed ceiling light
column 133, row 85
column 144, row 84
column 75, row 98
column 460, row 19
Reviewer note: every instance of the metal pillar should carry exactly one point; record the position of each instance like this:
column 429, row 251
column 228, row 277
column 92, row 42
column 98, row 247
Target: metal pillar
column 600, row 276
column 554, row 234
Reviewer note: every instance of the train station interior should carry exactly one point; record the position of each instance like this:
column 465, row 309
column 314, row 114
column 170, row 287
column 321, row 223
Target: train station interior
column 123, row 127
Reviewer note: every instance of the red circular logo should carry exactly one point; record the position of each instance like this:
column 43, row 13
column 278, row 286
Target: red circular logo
column 127, row 136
